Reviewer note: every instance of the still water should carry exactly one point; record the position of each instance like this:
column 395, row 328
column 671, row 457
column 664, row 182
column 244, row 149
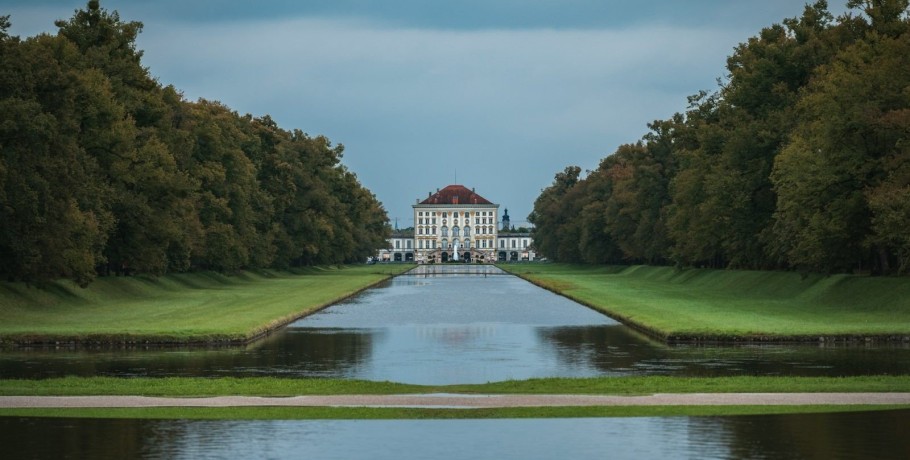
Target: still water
column 442, row 325
column 459, row 324
column 879, row 435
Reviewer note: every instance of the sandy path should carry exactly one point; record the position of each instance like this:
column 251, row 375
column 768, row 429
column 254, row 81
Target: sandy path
column 464, row 401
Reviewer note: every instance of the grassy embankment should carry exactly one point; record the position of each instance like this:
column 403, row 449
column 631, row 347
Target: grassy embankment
column 730, row 305
column 277, row 387
column 398, row 413
column 179, row 308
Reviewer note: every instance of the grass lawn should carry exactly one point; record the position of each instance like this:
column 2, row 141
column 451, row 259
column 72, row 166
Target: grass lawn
column 375, row 413
column 268, row 386
column 192, row 307
column 728, row 305
column 273, row 386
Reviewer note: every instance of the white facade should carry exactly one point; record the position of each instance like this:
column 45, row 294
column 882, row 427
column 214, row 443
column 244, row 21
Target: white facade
column 457, row 224
column 400, row 249
column 443, row 230
column 515, row 247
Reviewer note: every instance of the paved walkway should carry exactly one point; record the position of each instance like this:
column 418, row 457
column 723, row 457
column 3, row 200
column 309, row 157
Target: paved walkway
column 461, row 401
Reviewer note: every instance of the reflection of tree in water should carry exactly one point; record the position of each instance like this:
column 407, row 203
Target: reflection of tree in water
column 619, row 350
column 607, row 348
column 324, row 352
column 838, row 435
column 80, row 438
column 292, row 352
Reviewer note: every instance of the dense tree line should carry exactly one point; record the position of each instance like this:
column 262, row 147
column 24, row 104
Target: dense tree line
column 799, row 160
column 103, row 169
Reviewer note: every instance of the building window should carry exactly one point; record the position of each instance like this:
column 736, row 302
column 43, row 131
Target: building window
column 467, row 231
column 467, row 243
column 408, row 244
column 421, row 244
column 434, row 221
column 434, row 244
column 455, row 215
column 445, row 214
column 445, row 244
column 524, row 244
column 445, row 231
column 455, row 231
column 397, row 244
column 502, row 244
column 434, row 230
column 513, row 244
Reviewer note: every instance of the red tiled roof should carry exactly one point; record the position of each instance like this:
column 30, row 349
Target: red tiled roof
column 455, row 194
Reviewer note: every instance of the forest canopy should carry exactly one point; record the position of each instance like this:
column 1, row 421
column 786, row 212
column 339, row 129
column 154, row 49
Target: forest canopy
column 799, row 160
column 105, row 170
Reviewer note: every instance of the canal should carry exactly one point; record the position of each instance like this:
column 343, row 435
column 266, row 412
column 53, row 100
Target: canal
column 462, row 324
column 459, row 324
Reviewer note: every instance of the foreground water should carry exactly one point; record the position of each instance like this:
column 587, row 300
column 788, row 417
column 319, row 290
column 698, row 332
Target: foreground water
column 879, row 435
column 459, row 324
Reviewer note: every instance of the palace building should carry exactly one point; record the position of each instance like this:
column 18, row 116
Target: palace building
column 457, row 224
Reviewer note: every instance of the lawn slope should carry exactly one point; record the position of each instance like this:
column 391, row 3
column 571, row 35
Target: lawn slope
column 729, row 305
column 181, row 308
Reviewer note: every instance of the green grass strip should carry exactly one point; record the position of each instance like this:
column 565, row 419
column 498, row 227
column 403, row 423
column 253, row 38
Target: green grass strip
column 733, row 305
column 367, row 413
column 269, row 386
column 178, row 308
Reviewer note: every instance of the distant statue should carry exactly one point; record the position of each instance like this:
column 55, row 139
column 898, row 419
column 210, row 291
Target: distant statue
column 455, row 248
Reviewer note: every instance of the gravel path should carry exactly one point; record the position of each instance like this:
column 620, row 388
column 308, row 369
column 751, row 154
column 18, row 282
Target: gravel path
column 461, row 401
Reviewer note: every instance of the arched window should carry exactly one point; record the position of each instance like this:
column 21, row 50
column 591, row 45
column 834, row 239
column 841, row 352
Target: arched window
column 455, row 231
column 467, row 243
column 445, row 244
column 467, row 231
column 445, row 231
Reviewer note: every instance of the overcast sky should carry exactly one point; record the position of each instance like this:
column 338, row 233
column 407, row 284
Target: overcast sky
column 505, row 93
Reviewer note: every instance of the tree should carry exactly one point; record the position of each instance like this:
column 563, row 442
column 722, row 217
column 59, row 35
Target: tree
column 54, row 221
column 556, row 233
column 854, row 122
column 102, row 169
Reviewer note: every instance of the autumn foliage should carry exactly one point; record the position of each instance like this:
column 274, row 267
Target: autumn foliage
column 105, row 170
column 799, row 160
